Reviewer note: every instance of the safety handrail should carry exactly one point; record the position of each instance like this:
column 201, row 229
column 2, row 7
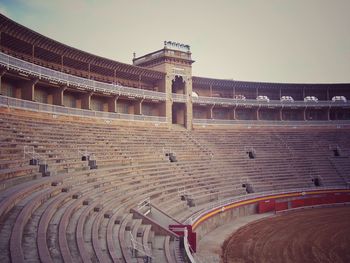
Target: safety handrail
column 34, row 155
column 139, row 247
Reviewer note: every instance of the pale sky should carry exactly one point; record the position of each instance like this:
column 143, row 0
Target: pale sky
column 268, row 40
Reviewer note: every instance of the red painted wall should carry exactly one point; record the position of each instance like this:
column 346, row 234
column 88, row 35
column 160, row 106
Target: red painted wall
column 266, row 206
column 279, row 206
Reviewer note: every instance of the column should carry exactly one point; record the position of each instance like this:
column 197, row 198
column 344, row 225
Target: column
column 169, row 101
column 189, row 109
column 86, row 101
column 138, row 107
column 58, row 96
column 112, row 104
column 2, row 73
column 28, row 89
column 234, row 112
column 281, row 114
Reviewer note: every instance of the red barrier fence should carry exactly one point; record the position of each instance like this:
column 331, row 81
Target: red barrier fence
column 276, row 204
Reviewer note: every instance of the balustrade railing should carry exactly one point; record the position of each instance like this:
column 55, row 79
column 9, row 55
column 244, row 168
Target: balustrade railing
column 271, row 103
column 179, row 97
column 54, row 109
column 52, row 75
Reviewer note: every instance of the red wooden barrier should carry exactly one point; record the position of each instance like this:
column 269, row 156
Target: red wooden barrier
column 279, row 206
column 297, row 203
column 266, row 206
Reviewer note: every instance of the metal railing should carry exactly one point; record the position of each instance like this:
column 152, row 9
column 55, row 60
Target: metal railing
column 271, row 103
column 63, row 78
column 138, row 249
column 54, row 109
column 29, row 150
column 144, row 205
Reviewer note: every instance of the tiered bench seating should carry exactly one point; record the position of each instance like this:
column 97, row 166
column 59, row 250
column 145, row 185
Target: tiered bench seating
column 73, row 212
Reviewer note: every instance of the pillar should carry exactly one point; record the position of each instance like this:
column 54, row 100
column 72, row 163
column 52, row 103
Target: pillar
column 281, row 114
column 28, row 89
column 210, row 112
column 138, row 107
column 2, row 73
column 169, row 99
column 234, row 112
column 86, row 101
column 189, row 109
column 58, row 96
column 112, row 104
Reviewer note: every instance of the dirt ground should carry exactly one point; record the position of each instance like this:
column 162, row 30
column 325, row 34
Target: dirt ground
column 312, row 235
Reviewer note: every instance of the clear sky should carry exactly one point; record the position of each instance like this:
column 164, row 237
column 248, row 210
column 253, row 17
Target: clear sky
column 267, row 40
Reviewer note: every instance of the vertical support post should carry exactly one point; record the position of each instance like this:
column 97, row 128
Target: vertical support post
column 28, row 89
column 2, row 73
column 138, row 107
column 210, row 112
column 234, row 112
column 112, row 104
column 167, row 83
column 86, row 101
column 189, row 108
column 281, row 114
column 58, row 96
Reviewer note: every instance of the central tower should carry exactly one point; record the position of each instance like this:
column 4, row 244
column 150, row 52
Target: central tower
column 174, row 60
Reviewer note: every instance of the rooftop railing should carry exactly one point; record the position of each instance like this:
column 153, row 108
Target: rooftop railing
column 271, row 103
column 54, row 109
column 66, row 79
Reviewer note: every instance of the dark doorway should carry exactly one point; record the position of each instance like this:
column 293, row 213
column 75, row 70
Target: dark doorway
column 179, row 113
